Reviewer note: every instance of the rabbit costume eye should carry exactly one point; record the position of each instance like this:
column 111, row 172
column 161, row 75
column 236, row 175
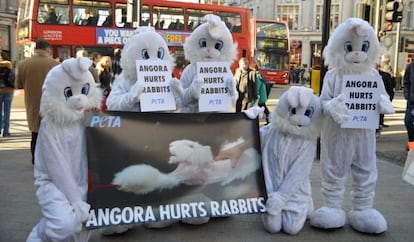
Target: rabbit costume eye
column 348, row 47
column 145, row 54
column 219, row 44
column 202, row 42
column 365, row 46
column 309, row 112
column 85, row 89
column 160, row 53
column 67, row 92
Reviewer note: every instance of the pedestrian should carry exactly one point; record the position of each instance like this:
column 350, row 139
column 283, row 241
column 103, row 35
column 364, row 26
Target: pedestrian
column 116, row 63
column 105, row 77
column 96, row 57
column 261, row 91
column 409, row 96
column 246, row 85
column 6, row 93
column 92, row 69
column 389, row 84
column 30, row 75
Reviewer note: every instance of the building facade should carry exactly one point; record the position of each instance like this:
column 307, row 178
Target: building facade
column 8, row 18
column 305, row 19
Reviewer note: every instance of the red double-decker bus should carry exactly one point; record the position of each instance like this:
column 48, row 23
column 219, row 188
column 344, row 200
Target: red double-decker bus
column 270, row 49
column 101, row 26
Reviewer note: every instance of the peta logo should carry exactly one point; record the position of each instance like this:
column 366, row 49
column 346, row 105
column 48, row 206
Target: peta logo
column 105, row 121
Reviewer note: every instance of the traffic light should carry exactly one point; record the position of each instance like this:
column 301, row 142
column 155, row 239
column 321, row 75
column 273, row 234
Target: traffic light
column 394, row 11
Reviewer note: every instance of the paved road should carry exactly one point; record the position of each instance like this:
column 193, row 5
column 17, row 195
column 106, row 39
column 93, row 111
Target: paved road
column 19, row 211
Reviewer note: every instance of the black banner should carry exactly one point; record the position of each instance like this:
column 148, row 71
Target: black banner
column 147, row 167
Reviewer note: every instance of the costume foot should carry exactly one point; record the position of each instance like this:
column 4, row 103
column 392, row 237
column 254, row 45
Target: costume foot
column 33, row 236
column 328, row 218
column 272, row 223
column 367, row 221
column 159, row 224
column 118, row 229
column 196, row 221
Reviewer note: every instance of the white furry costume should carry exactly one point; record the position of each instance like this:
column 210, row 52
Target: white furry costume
column 353, row 48
column 145, row 44
column 61, row 164
column 211, row 41
column 288, row 151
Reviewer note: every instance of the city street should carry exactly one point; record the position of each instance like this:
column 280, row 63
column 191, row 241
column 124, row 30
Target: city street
column 19, row 210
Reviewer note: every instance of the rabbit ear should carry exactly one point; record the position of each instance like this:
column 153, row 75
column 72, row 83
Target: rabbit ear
column 77, row 67
column 305, row 97
column 293, row 95
column 215, row 25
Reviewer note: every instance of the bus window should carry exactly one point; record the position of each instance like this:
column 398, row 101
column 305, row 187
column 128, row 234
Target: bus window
column 121, row 15
column 232, row 20
column 195, row 17
column 53, row 12
column 90, row 13
column 168, row 18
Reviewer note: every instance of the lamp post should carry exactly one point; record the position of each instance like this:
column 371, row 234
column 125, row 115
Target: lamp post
column 325, row 36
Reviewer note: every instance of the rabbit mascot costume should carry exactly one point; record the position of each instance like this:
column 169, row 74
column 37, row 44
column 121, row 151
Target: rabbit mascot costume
column 353, row 49
column 60, row 171
column 288, row 151
column 211, row 41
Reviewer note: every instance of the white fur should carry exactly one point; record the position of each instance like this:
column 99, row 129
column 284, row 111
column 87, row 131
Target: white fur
column 60, row 168
column 188, row 150
column 195, row 167
column 356, row 31
column 144, row 39
column 143, row 179
column 213, row 33
column 302, row 100
column 72, row 73
column 288, row 151
column 145, row 44
column 345, row 151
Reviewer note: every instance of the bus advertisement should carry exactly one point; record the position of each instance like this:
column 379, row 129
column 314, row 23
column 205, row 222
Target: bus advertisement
column 270, row 49
column 102, row 26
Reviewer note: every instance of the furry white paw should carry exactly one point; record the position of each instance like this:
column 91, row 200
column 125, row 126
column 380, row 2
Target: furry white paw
column 385, row 105
column 195, row 88
column 272, row 223
column 176, row 88
column 81, row 210
column 135, row 92
column 367, row 221
column 254, row 112
column 337, row 109
column 328, row 218
column 232, row 87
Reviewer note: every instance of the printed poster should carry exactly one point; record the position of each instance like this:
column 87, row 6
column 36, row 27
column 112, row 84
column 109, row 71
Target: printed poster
column 362, row 94
column 215, row 96
column 155, row 76
column 147, row 167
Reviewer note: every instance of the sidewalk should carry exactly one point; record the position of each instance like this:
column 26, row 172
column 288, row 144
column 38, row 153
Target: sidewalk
column 19, row 211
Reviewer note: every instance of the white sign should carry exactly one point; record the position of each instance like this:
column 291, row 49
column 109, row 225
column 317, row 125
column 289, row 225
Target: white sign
column 215, row 96
column 362, row 94
column 156, row 76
